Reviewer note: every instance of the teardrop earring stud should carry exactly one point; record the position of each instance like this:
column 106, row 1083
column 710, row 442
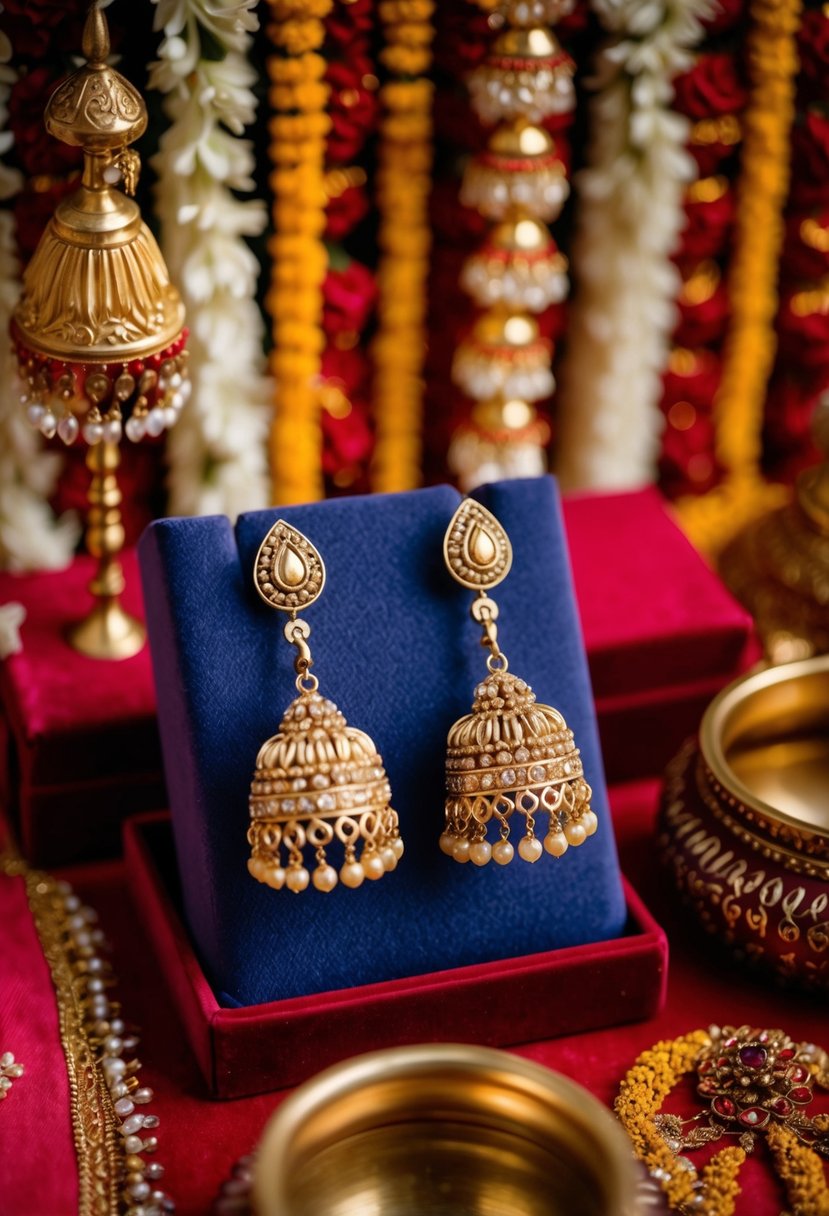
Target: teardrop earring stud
column 319, row 784
column 512, row 758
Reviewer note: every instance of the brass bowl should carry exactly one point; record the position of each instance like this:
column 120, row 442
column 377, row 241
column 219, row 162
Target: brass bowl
column 444, row 1130
column 745, row 819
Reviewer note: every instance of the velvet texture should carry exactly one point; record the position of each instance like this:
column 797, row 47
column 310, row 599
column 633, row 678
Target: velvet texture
column 81, row 742
column 261, row 1047
column 395, row 648
column 200, row 1139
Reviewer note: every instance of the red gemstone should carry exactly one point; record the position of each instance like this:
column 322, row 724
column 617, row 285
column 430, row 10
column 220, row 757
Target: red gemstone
column 753, row 1055
column 798, row 1074
column 800, row 1094
column 764, row 1037
column 723, row 1062
column 730, row 1042
column 705, row 1067
column 707, row 1087
column 781, row 1107
column 724, row 1107
column 786, row 1054
column 754, row 1116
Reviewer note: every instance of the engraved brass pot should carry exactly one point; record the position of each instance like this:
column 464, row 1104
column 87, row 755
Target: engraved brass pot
column 745, row 819
column 443, row 1129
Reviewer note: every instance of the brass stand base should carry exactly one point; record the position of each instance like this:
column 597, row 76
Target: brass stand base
column 107, row 633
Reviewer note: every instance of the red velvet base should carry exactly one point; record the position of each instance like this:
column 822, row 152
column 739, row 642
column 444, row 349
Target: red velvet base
column 81, row 747
column 245, row 1051
column 663, row 635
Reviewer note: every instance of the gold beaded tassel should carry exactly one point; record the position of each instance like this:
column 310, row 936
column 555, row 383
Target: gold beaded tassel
column 520, row 184
column 318, row 782
column 511, row 756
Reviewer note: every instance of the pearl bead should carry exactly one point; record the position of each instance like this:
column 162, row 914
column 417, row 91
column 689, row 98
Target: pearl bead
column 155, row 422
column 170, row 415
column 140, row 1190
column 461, row 850
column 69, row 428
column 48, row 424
column 275, row 877
column 373, row 867
column 113, row 430
column 556, row 844
column 389, row 859
column 480, row 852
column 93, row 432
column 114, row 1067
column 257, row 868
column 113, row 1046
column 590, row 822
column 529, row 848
column 352, row 875
column 136, row 429
column 297, row 878
column 575, row 834
column 503, row 852
column 35, row 412
column 325, row 878
column 143, row 1095
column 155, row 1170
column 447, row 844
column 133, row 1144
column 398, row 847
column 124, row 1107
column 150, row 1120
column 132, row 1124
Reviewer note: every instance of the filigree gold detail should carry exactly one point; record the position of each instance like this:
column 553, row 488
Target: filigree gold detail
column 320, row 782
column 476, row 548
column 289, row 573
column 103, row 102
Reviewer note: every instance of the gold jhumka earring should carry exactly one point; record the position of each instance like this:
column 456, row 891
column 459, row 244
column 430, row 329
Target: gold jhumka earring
column 511, row 755
column 318, row 781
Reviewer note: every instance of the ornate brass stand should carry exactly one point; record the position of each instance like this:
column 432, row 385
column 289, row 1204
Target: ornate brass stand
column 108, row 632
column 99, row 327
column 779, row 568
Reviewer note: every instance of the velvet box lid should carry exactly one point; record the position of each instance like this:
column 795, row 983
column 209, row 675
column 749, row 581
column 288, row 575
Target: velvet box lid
column 394, row 647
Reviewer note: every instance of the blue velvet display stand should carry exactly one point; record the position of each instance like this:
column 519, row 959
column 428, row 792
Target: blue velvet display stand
column 395, row 648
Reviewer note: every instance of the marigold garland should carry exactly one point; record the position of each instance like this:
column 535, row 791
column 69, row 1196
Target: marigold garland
column 404, row 239
column 298, row 133
column 711, row 521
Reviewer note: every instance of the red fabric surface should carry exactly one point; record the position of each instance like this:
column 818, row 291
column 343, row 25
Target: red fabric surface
column 243, row 1051
column 37, row 1154
column 653, row 614
column 200, row 1139
column 83, row 747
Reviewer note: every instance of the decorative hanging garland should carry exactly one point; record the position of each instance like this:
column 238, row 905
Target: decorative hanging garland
column 630, row 216
column 404, row 240
column 216, row 454
column 519, row 184
column 30, row 537
column 298, row 129
column 712, row 520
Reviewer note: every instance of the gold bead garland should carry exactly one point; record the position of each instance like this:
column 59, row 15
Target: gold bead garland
column 298, row 131
column 404, row 239
column 713, row 519
column 518, row 183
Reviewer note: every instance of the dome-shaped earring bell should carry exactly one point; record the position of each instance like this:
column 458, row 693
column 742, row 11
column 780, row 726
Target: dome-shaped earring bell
column 511, row 759
column 320, row 787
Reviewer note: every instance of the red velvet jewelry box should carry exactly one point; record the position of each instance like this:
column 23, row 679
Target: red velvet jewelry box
column 247, row 1050
column 79, row 739
column 663, row 635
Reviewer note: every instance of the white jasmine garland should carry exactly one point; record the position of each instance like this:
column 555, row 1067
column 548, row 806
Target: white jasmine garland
column 217, row 453
column 629, row 220
column 30, row 537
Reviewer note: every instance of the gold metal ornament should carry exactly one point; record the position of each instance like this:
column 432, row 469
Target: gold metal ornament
column 99, row 327
column 512, row 755
column 318, row 782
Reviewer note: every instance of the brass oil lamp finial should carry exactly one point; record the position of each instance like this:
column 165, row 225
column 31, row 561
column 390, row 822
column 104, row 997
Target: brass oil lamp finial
column 99, row 328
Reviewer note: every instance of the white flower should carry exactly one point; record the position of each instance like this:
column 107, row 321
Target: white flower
column 628, row 225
